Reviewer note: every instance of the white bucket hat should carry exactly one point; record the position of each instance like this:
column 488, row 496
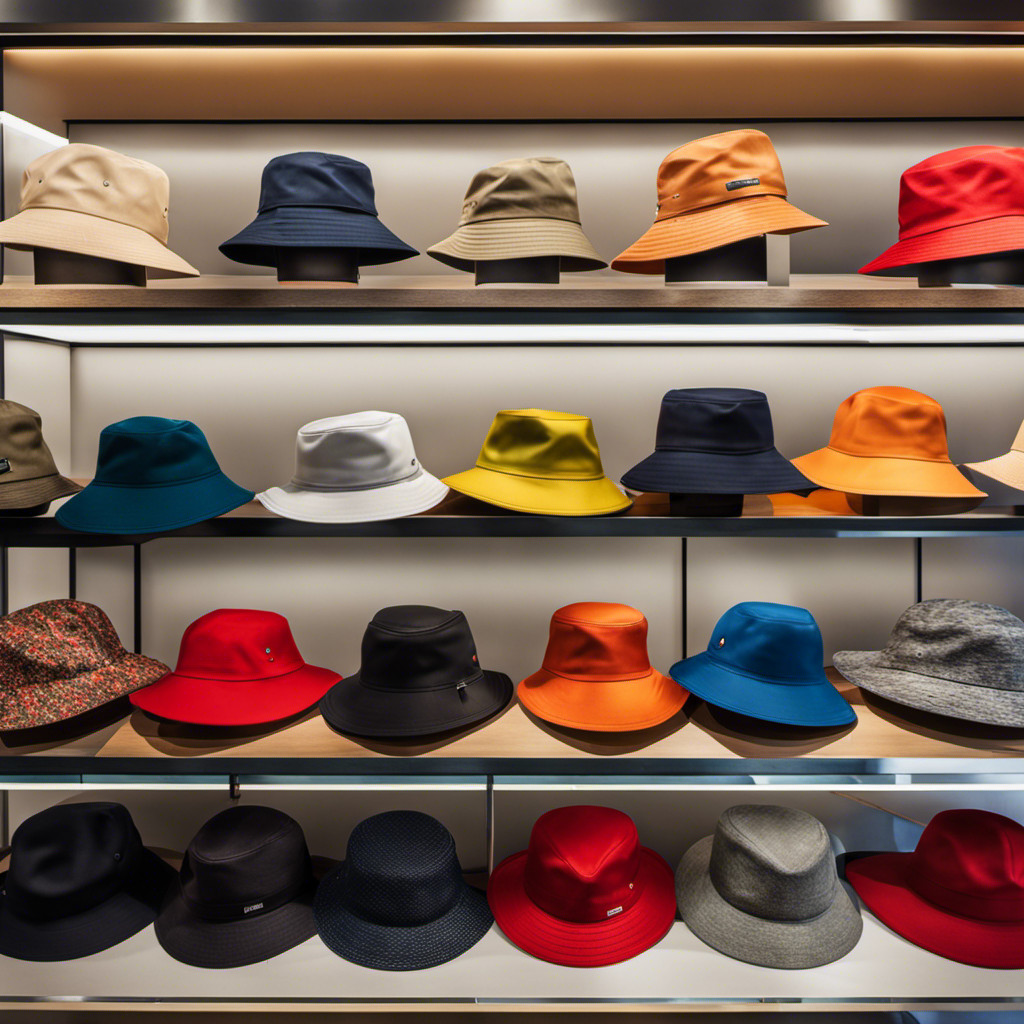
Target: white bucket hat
column 355, row 469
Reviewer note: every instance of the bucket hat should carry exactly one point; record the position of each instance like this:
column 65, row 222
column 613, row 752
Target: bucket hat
column 959, row 894
column 152, row 474
column 92, row 201
column 711, row 192
column 951, row 657
column 61, row 658
column 419, row 675
column 244, row 893
column 316, row 200
column 1006, row 469
column 596, row 673
column 236, row 666
column 764, row 889
column 398, row 902
column 80, row 881
column 519, row 209
column 766, row 661
column 963, row 202
column 358, row 468
column 28, row 474
column 888, row 441
column 547, row 463
column 715, row 441
column 585, row 893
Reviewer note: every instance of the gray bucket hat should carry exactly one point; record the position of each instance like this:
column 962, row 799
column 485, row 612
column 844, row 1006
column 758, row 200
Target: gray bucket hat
column 764, row 889
column 951, row 657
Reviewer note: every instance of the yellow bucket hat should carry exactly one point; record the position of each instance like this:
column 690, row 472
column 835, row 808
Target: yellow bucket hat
column 547, row 463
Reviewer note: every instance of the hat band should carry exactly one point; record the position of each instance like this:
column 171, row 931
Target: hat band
column 937, row 459
column 263, row 208
column 712, row 451
column 918, row 670
column 521, row 216
column 329, row 488
column 729, row 667
column 765, row 190
column 773, row 913
column 257, row 905
column 452, row 684
column 982, row 908
column 240, row 679
column 164, row 483
column 592, row 678
column 920, row 233
column 564, row 478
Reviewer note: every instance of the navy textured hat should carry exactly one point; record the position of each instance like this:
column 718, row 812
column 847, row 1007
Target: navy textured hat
column 316, row 200
column 766, row 661
column 715, row 441
column 152, row 474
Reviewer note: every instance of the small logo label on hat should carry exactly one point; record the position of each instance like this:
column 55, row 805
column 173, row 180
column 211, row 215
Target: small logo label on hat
column 5, row 465
column 614, row 911
column 252, row 907
column 731, row 186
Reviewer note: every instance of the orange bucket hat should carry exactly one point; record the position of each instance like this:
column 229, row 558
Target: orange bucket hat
column 888, row 441
column 715, row 191
column 596, row 673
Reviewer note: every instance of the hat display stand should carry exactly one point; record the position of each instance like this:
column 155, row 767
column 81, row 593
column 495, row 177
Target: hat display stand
column 756, row 260
column 52, row 266
column 892, row 505
column 1005, row 268
column 327, row 267
column 530, row 270
column 705, row 504
column 1000, row 495
column 34, row 510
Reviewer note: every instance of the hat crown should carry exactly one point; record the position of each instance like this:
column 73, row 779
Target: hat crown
column 959, row 640
column 961, row 186
column 22, row 444
column 892, row 423
column 971, row 862
column 417, row 647
column 317, row 179
column 358, row 451
column 773, row 862
column 239, row 644
column 730, row 421
column 99, row 182
column 401, row 868
column 716, row 169
column 69, row 858
column 153, row 450
column 777, row 642
column 582, row 863
column 542, row 443
column 598, row 641
column 245, row 861
column 541, row 187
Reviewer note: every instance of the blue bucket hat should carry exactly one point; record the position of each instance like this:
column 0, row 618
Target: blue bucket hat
column 316, row 200
column 152, row 474
column 766, row 661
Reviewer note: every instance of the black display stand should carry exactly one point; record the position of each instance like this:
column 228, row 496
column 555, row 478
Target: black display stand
column 888, row 505
column 34, row 510
column 51, row 266
column 705, row 505
column 1005, row 268
column 741, row 261
column 324, row 266
column 530, row 270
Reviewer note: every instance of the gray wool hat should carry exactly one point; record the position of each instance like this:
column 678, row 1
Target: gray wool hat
column 764, row 889
column 951, row 657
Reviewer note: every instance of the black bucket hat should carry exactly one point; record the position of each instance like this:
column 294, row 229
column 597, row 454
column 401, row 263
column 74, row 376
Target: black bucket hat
column 80, row 881
column 398, row 902
column 316, row 200
column 419, row 675
column 715, row 441
column 244, row 893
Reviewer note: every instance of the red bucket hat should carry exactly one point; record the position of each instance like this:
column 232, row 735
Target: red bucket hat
column 585, row 893
column 236, row 666
column 959, row 894
column 964, row 202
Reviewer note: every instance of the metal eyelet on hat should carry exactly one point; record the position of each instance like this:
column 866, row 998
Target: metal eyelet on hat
column 721, row 641
column 106, row 184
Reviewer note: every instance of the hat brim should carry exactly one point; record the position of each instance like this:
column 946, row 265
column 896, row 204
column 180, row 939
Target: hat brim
column 710, row 228
column 607, row 705
column 316, row 227
column 351, row 707
column 33, row 705
column 118, row 918
column 404, row 498
column 39, row 491
column 1006, row 469
column 82, row 233
column 881, row 881
column 542, row 497
column 815, row 705
column 181, row 698
column 678, row 472
column 590, row 943
column 391, row 947
column 99, row 508
column 518, row 238
column 980, row 238
column 905, row 478
column 791, row 945
column 964, row 701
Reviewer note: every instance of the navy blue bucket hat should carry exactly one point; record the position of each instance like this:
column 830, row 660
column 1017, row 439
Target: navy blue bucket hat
column 715, row 441
column 316, row 200
column 766, row 661
column 152, row 474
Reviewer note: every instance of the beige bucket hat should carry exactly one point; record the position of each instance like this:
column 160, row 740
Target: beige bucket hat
column 1007, row 469
column 95, row 202
column 519, row 209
